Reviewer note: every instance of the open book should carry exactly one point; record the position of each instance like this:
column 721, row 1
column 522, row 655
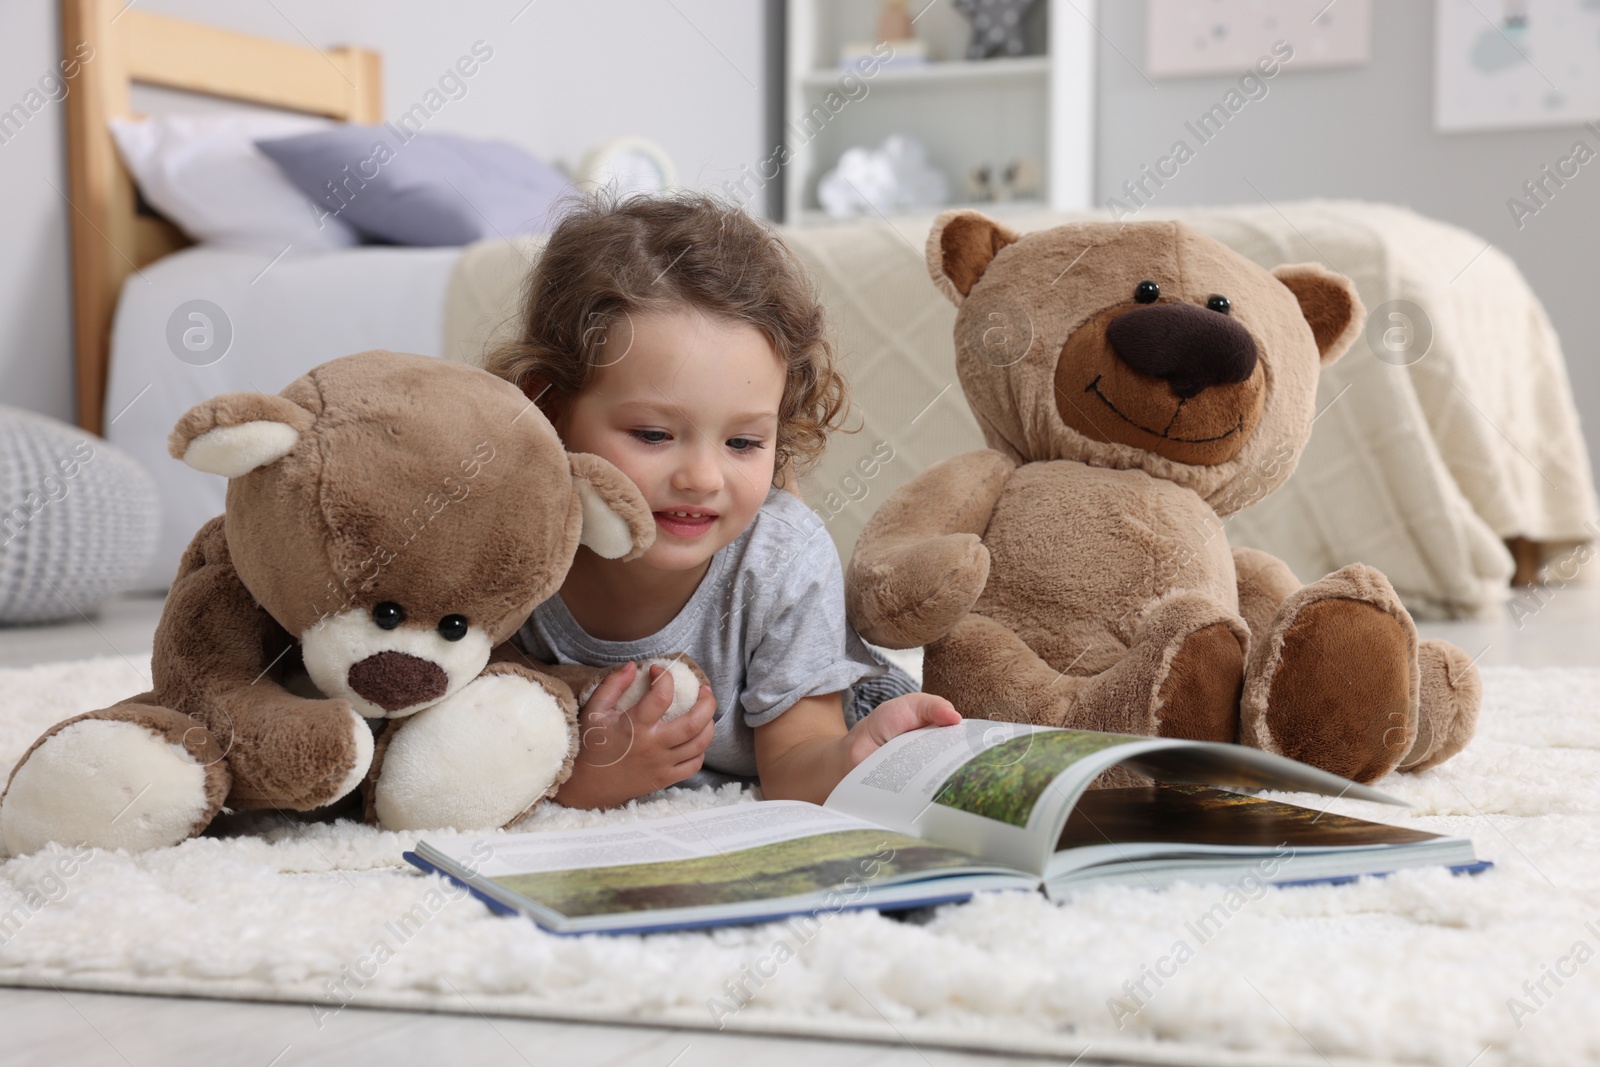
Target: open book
column 938, row 814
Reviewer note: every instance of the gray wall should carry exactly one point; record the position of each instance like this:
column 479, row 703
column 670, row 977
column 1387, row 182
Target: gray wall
column 1367, row 132
column 565, row 75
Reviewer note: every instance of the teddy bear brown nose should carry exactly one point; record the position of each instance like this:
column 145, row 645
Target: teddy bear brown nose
column 1191, row 348
column 394, row 680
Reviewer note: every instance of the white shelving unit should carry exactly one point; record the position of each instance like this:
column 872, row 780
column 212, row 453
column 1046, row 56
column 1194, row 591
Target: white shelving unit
column 1038, row 106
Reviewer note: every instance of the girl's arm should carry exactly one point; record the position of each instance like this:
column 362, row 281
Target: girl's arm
column 806, row 751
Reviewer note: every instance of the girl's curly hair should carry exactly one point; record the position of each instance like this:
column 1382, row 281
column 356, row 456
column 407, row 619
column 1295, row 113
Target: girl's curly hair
column 610, row 256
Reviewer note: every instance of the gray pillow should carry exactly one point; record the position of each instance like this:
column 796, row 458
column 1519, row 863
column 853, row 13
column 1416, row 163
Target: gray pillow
column 420, row 188
column 80, row 524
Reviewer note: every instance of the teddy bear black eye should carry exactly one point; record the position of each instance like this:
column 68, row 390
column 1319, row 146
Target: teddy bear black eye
column 1146, row 292
column 388, row 615
column 453, row 627
column 1219, row 303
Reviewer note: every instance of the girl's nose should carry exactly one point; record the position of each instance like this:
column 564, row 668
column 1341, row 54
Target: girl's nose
column 699, row 471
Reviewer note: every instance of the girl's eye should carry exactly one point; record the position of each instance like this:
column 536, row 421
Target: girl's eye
column 650, row 437
column 743, row 444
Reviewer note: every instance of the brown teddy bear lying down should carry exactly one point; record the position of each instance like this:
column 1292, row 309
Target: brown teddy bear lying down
column 1136, row 384
column 390, row 521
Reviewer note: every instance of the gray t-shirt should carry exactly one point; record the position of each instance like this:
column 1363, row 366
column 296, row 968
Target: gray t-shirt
column 766, row 624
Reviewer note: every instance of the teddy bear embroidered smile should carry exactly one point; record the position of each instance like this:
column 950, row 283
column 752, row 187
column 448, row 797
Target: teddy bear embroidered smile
column 1136, row 384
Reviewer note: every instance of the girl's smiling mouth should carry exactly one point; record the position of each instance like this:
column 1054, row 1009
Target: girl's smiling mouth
column 685, row 522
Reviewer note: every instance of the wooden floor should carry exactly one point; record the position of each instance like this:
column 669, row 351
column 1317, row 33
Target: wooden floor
column 1556, row 627
column 107, row 1030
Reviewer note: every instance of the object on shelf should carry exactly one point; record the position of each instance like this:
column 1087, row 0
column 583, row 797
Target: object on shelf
column 907, row 52
column 980, row 184
column 627, row 165
column 1022, row 179
column 895, row 176
column 1018, row 180
column 894, row 21
column 996, row 26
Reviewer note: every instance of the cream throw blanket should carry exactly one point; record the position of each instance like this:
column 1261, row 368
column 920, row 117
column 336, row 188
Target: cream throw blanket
column 1420, row 468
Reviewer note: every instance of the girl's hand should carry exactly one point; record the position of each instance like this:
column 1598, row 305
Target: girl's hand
column 626, row 754
column 806, row 751
column 901, row 714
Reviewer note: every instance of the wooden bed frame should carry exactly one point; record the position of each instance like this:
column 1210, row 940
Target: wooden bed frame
column 111, row 237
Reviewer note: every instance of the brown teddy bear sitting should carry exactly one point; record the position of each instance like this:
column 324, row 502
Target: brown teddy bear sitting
column 1136, row 383
column 390, row 521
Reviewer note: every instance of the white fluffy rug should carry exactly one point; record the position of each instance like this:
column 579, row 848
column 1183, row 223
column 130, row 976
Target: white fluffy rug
column 1420, row 967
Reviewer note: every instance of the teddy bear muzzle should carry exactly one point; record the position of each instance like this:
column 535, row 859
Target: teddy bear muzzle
column 394, row 680
column 388, row 667
column 1181, row 381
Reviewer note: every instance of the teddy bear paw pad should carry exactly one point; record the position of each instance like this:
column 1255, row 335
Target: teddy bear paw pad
column 477, row 759
column 685, row 687
column 107, row 784
column 1340, row 698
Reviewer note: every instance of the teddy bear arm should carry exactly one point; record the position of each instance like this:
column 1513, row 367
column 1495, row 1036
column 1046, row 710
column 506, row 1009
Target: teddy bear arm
column 289, row 752
column 920, row 564
column 955, row 495
column 580, row 678
column 217, row 658
column 987, row 671
column 212, row 636
column 575, row 676
column 583, row 679
column 1264, row 582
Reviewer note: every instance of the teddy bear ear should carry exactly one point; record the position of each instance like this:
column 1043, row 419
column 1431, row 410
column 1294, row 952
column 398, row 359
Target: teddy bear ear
column 235, row 433
column 961, row 246
column 1329, row 303
column 617, row 523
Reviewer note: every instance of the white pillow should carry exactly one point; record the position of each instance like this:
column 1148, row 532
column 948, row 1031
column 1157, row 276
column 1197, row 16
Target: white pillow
column 204, row 174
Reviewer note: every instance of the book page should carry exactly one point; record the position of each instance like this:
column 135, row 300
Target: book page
column 997, row 770
column 692, row 835
column 1150, row 835
column 711, row 865
column 1003, row 791
column 997, row 790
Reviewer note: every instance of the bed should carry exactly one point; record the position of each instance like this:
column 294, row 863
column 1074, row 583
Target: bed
column 134, row 273
column 387, row 298
column 1456, row 476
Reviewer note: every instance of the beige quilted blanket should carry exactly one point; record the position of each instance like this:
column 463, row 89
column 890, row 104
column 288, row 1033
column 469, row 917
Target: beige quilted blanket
column 1418, row 466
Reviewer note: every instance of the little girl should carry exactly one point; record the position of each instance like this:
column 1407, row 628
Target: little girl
column 678, row 338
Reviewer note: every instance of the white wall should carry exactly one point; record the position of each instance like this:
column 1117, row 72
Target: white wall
column 1367, row 132
column 565, row 75
column 35, row 309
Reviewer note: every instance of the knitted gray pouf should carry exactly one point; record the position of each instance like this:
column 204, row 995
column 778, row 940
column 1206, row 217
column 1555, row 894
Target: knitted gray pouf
column 79, row 523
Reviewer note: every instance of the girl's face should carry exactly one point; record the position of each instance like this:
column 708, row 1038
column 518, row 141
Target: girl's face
column 686, row 406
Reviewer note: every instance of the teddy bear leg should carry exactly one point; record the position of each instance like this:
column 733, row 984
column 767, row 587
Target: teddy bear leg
column 482, row 757
column 1334, row 683
column 988, row 672
column 1450, row 696
column 1182, row 673
column 1185, row 664
column 133, row 776
column 1198, row 700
